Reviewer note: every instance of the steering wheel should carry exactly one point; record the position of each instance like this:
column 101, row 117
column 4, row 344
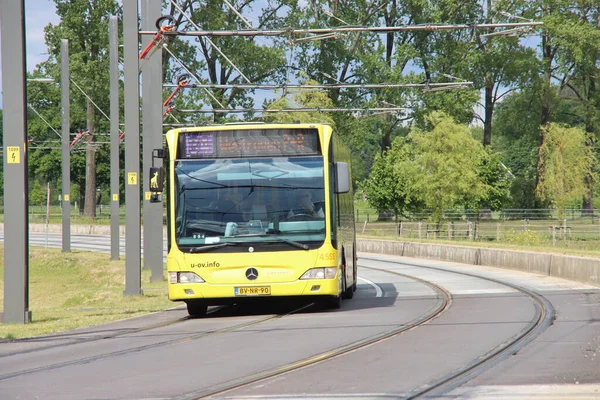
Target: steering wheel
column 300, row 217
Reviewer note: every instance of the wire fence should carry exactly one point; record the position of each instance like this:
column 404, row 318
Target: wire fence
column 533, row 227
column 524, row 226
column 369, row 215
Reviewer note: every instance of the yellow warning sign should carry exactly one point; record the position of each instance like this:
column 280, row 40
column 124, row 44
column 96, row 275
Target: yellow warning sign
column 66, row 197
column 148, row 195
column 14, row 154
column 115, row 197
column 132, row 178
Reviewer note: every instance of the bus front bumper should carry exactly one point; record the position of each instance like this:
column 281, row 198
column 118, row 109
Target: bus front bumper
column 309, row 287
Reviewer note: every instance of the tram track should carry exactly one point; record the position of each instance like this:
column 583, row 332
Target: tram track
column 81, row 341
column 544, row 316
column 179, row 340
column 443, row 302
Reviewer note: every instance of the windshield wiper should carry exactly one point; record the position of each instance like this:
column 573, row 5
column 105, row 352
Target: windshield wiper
column 277, row 240
column 202, row 249
column 293, row 243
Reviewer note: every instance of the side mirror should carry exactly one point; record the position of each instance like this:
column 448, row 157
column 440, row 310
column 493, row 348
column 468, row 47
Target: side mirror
column 342, row 177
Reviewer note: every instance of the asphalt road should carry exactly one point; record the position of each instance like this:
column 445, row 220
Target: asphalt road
column 168, row 356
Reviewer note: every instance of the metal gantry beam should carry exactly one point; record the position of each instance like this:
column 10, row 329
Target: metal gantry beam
column 320, row 31
column 281, row 110
column 133, row 254
column 65, row 145
column 115, row 133
column 16, row 217
column 152, row 139
column 325, row 86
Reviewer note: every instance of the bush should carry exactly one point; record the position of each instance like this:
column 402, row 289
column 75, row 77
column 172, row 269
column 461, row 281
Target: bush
column 527, row 238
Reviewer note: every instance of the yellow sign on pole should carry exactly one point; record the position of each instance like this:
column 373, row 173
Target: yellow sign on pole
column 132, row 178
column 14, row 154
column 148, row 195
column 66, row 197
column 115, row 197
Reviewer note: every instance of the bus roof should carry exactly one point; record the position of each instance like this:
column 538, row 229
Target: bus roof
column 250, row 125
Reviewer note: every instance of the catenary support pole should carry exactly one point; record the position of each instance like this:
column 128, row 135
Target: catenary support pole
column 133, row 273
column 65, row 145
column 16, row 219
column 152, row 139
column 115, row 133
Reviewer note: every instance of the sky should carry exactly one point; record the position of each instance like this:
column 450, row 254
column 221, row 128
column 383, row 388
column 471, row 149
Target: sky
column 38, row 14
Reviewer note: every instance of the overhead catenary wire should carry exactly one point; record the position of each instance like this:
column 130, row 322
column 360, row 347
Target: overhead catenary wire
column 212, row 44
column 326, row 86
column 309, row 31
column 212, row 96
column 89, row 98
column 278, row 110
column 92, row 101
column 236, row 12
column 44, row 119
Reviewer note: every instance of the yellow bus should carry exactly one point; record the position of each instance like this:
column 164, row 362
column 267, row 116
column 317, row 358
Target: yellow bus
column 258, row 210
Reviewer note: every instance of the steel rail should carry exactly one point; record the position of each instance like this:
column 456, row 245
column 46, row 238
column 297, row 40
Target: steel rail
column 66, row 336
column 444, row 300
column 180, row 340
column 544, row 317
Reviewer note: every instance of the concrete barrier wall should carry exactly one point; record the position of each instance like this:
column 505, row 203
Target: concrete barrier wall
column 581, row 269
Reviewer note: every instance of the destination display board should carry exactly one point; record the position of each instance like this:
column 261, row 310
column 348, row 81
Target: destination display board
column 248, row 143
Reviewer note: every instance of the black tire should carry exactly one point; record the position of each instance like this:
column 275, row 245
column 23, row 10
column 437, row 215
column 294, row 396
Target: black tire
column 347, row 292
column 355, row 269
column 196, row 308
column 333, row 302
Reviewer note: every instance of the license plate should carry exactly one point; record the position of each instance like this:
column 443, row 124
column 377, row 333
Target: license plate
column 252, row 291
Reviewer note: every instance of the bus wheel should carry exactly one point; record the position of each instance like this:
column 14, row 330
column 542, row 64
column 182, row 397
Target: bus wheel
column 333, row 302
column 196, row 308
column 348, row 292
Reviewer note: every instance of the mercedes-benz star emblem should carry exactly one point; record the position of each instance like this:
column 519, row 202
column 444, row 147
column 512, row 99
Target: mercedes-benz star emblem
column 251, row 274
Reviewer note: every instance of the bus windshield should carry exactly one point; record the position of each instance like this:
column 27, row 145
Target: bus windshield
column 273, row 203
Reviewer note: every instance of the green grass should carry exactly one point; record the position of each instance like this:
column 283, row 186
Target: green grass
column 79, row 289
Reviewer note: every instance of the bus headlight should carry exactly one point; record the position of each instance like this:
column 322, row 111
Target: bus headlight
column 184, row 277
column 319, row 273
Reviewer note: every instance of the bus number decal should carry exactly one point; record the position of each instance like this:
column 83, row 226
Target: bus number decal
column 327, row 256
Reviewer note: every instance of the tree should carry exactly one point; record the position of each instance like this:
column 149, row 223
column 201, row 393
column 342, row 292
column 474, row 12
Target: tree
column 84, row 23
column 566, row 162
column 578, row 53
column 386, row 187
column 304, row 98
column 498, row 181
column 442, row 169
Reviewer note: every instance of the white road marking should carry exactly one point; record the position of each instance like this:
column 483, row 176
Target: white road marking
column 379, row 292
column 525, row 392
